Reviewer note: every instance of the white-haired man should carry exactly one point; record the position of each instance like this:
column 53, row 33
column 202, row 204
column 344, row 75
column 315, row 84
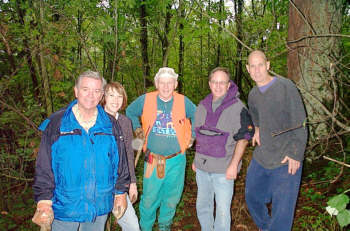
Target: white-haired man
column 166, row 128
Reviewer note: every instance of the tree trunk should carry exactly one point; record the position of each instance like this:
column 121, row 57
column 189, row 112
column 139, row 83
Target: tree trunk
column 181, row 47
column 79, row 49
column 28, row 55
column 164, row 37
column 45, row 78
column 221, row 23
column 311, row 59
column 208, row 40
column 116, row 39
column 239, row 65
column 203, row 82
column 144, row 46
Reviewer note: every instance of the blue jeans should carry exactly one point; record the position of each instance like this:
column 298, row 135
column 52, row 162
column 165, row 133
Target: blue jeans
column 129, row 221
column 98, row 225
column 212, row 185
column 276, row 186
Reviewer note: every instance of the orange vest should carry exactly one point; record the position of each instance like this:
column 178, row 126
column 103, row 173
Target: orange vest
column 181, row 124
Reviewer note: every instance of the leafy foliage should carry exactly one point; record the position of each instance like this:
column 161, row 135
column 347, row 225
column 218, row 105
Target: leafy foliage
column 77, row 35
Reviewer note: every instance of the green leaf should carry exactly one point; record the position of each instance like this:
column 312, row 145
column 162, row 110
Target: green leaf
column 339, row 202
column 344, row 218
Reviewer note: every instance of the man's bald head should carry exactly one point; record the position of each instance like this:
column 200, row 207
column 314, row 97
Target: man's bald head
column 258, row 67
column 257, row 53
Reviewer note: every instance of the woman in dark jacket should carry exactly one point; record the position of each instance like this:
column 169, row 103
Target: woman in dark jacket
column 115, row 99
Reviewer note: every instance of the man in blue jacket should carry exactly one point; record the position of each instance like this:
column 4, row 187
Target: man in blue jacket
column 81, row 169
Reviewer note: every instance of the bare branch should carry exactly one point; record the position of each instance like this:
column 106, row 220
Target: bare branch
column 16, row 178
column 336, row 161
column 326, row 111
column 318, row 36
column 31, row 123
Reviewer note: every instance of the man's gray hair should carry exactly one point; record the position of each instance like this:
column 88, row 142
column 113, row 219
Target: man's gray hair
column 90, row 74
column 166, row 72
column 222, row 69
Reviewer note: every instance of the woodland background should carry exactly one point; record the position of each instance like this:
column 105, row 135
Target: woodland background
column 46, row 44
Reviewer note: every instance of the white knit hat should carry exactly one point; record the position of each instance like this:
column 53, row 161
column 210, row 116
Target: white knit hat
column 166, row 72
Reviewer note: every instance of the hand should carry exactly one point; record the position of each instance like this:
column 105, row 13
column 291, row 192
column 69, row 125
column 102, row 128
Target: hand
column 193, row 167
column 293, row 165
column 232, row 171
column 133, row 192
column 191, row 142
column 256, row 137
column 119, row 205
column 139, row 133
column 44, row 214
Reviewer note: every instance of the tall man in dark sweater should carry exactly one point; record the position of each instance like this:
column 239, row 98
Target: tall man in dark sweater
column 274, row 173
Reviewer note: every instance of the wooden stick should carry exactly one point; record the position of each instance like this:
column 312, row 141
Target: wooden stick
column 336, row 161
column 138, row 155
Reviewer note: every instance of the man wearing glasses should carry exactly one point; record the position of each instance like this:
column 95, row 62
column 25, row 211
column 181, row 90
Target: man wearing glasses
column 223, row 128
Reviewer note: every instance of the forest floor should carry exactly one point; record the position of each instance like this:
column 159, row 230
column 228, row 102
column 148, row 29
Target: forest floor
column 17, row 206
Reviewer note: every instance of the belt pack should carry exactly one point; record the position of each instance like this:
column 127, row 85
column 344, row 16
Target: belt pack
column 154, row 160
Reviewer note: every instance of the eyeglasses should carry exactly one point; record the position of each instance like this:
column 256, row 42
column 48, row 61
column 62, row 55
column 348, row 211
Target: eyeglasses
column 220, row 83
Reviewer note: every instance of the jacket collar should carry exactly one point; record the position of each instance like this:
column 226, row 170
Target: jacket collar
column 69, row 122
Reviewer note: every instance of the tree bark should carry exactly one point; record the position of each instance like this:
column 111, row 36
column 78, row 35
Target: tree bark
column 208, row 40
column 116, row 38
column 79, row 48
column 45, row 78
column 218, row 51
column 239, row 66
column 310, row 61
column 28, row 54
column 164, row 36
column 181, row 47
column 144, row 46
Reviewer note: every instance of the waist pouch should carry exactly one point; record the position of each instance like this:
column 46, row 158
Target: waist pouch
column 211, row 141
column 158, row 161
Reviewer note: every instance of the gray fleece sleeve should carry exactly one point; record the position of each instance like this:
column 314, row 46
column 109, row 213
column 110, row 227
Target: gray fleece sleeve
column 298, row 136
column 253, row 111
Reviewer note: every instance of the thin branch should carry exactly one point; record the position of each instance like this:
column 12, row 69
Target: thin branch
column 31, row 123
column 82, row 39
column 336, row 161
column 318, row 36
column 16, row 178
column 326, row 111
column 273, row 134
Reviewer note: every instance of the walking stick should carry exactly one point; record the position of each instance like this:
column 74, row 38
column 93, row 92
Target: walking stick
column 137, row 145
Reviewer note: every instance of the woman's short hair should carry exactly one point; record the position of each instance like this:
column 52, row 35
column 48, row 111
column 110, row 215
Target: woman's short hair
column 115, row 86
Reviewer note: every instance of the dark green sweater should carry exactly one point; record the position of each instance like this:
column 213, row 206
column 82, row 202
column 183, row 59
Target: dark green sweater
column 279, row 113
